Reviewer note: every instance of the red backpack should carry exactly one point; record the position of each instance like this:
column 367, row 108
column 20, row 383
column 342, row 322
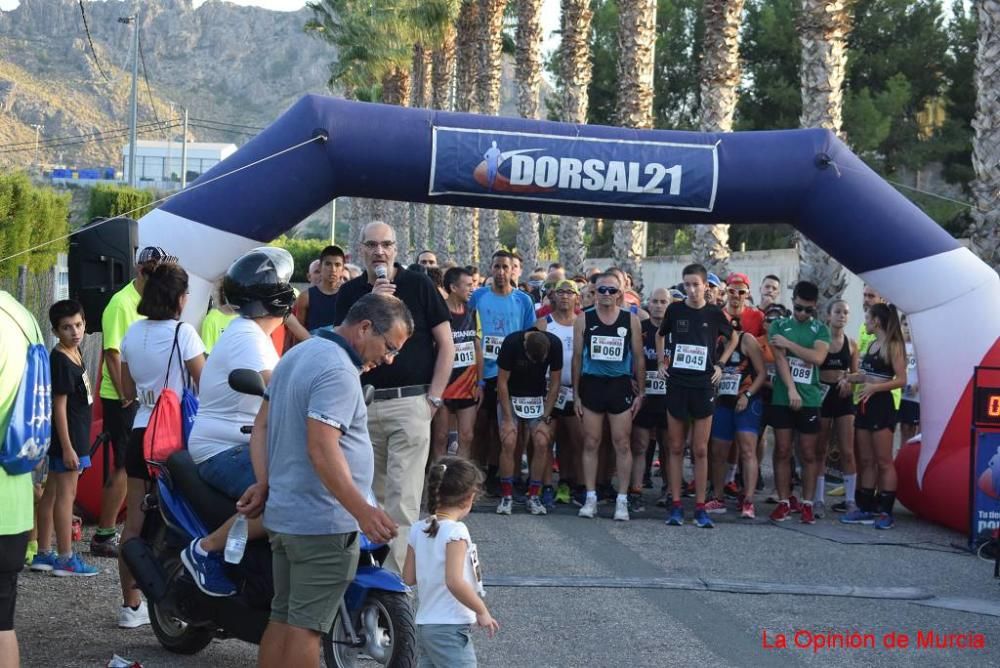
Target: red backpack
column 165, row 432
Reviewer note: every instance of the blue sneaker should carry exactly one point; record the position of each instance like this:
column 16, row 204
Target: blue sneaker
column 858, row 517
column 548, row 497
column 208, row 572
column 74, row 567
column 44, row 563
column 885, row 521
column 676, row 518
column 702, row 520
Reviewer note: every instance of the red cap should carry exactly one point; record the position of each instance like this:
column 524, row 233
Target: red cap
column 738, row 278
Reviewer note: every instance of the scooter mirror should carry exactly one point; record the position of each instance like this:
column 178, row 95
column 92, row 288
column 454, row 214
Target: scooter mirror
column 246, row 381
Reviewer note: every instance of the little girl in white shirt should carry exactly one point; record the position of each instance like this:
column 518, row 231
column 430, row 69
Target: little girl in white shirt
column 441, row 560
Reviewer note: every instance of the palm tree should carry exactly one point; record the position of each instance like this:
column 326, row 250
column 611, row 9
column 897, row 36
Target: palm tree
column 823, row 29
column 577, row 72
column 488, row 76
column 528, row 77
column 986, row 140
column 636, row 48
column 720, row 78
column 465, row 220
column 442, row 97
column 420, row 97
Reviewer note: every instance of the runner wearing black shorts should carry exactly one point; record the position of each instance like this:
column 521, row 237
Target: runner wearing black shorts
column 650, row 424
column 837, row 411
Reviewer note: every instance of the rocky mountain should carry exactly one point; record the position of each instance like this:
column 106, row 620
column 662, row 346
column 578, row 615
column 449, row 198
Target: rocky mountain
column 224, row 62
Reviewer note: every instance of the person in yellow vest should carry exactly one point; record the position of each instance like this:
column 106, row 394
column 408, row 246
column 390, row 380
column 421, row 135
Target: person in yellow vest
column 219, row 315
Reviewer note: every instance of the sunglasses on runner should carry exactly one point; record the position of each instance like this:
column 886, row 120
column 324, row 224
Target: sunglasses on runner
column 607, row 290
column 738, row 293
column 810, row 310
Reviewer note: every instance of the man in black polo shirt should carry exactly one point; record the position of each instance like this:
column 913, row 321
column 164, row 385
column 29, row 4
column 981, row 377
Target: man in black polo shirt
column 407, row 393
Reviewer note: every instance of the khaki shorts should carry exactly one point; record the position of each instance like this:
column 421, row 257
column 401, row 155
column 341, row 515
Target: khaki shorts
column 311, row 574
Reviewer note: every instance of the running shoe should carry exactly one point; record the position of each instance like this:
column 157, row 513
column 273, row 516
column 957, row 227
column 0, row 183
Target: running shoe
column 563, row 493
column 621, row 510
column 207, row 571
column 676, row 518
column 781, row 512
column 844, row 507
column 535, row 506
column 885, row 521
column 702, row 520
column 132, row 618
column 819, row 509
column 74, row 566
column 548, row 497
column 807, row 514
column 635, row 503
column 747, row 510
column 836, row 491
column 687, row 489
column 794, row 504
column 44, row 562
column 505, row 505
column 731, row 490
column 589, row 509
column 579, row 498
column 107, row 547
column 858, row 516
column 715, row 507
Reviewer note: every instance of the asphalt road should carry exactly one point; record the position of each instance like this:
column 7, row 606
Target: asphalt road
column 656, row 610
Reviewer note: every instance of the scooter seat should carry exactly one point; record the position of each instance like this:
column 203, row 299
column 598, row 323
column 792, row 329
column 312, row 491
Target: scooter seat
column 211, row 505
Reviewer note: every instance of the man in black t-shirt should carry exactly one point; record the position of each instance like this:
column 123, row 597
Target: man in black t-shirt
column 407, row 393
column 687, row 356
column 528, row 362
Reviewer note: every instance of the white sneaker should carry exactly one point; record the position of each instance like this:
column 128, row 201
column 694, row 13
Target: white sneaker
column 132, row 619
column 589, row 509
column 535, row 506
column 505, row 505
column 621, row 510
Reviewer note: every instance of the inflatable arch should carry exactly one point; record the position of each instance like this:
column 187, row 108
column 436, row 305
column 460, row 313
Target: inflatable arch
column 804, row 177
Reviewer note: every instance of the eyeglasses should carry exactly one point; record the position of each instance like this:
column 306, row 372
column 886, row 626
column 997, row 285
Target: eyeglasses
column 375, row 245
column 565, row 293
column 607, row 290
column 799, row 308
column 738, row 293
column 390, row 350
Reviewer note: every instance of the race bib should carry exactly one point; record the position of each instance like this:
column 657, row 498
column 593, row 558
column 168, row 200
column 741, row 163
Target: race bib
column 607, row 348
column 655, row 384
column 527, row 408
column 729, row 386
column 802, row 371
column 465, row 354
column 565, row 396
column 689, row 357
column 771, row 372
column 90, row 392
column 491, row 346
column 477, row 570
column 824, row 390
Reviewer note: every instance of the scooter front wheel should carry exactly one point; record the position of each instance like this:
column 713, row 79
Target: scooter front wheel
column 386, row 629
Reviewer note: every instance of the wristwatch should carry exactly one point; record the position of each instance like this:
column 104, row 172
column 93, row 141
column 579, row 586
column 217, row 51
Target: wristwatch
column 748, row 395
column 435, row 401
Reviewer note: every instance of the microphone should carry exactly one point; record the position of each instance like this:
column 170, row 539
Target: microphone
column 380, row 271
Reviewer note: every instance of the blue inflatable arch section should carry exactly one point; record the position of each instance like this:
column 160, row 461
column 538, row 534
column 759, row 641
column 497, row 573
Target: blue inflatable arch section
column 807, row 178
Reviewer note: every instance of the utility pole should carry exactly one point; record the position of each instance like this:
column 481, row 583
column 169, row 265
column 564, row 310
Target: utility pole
column 134, row 101
column 38, row 130
column 184, row 151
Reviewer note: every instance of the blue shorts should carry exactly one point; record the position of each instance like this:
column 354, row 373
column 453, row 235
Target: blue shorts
column 230, row 472
column 445, row 646
column 726, row 421
column 56, row 464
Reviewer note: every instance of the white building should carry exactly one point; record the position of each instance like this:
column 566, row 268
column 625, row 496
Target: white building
column 158, row 163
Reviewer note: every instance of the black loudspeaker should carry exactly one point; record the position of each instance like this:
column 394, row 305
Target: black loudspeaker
column 101, row 261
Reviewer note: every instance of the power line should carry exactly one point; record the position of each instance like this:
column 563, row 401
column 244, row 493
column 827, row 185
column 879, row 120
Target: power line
column 96, row 133
column 123, row 134
column 90, row 40
column 145, row 77
column 229, row 130
column 235, row 125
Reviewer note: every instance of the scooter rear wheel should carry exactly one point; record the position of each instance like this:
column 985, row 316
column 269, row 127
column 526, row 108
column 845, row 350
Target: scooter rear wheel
column 175, row 635
column 385, row 623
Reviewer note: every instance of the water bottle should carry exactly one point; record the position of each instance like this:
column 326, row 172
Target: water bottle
column 236, row 542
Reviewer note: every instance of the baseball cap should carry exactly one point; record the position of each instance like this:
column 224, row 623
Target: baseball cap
column 713, row 280
column 737, row 277
column 565, row 284
column 676, row 294
column 153, row 254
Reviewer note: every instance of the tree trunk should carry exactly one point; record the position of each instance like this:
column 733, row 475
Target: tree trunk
column 466, row 233
column 528, row 77
column 443, row 88
column 636, row 47
column 985, row 230
column 490, row 56
column 465, row 222
column 577, row 73
column 396, row 89
column 720, row 80
column 823, row 29
column 420, row 97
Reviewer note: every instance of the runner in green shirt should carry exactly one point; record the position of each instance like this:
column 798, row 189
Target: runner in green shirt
column 16, row 495
column 213, row 325
column 800, row 344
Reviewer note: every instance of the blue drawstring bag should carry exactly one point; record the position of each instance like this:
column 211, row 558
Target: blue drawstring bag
column 29, row 429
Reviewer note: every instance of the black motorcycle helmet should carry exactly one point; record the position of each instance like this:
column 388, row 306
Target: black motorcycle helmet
column 258, row 283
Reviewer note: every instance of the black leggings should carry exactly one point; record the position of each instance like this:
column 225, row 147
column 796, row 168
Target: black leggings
column 12, row 549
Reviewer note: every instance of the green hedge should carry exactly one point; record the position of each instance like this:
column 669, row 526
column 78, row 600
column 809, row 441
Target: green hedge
column 30, row 216
column 109, row 201
column 303, row 251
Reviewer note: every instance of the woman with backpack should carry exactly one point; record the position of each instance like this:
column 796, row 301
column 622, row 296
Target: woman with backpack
column 157, row 353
